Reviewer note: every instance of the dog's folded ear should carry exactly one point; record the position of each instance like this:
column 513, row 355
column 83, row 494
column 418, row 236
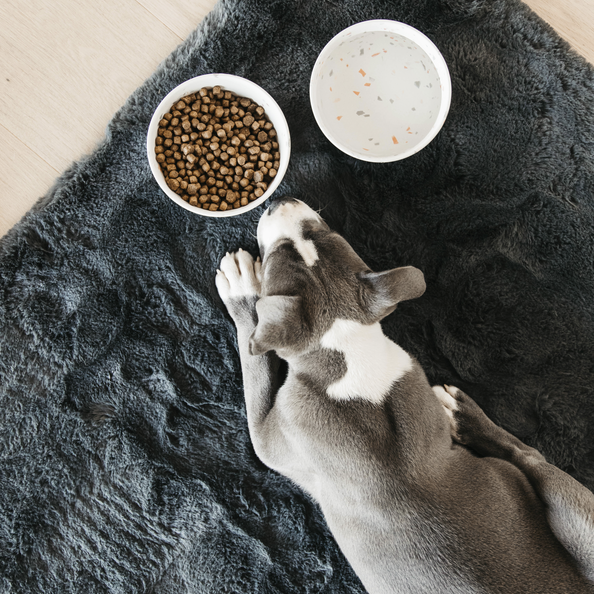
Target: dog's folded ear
column 384, row 290
column 280, row 323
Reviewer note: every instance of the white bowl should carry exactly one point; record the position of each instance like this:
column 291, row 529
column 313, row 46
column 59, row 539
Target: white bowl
column 242, row 88
column 380, row 91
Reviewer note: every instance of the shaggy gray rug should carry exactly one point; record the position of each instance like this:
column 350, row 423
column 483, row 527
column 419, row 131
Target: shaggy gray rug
column 126, row 464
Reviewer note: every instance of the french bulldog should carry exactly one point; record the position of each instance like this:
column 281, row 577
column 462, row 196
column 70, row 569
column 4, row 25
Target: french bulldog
column 421, row 490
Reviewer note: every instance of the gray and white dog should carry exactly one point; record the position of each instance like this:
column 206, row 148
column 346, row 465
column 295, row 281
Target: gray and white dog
column 422, row 492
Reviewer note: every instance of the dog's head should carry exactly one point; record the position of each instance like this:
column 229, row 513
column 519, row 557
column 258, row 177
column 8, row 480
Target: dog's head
column 311, row 277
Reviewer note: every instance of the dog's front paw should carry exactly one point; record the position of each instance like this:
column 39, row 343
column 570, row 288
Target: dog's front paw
column 238, row 277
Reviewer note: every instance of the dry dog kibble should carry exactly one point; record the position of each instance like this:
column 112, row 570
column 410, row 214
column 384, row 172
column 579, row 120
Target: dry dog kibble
column 216, row 150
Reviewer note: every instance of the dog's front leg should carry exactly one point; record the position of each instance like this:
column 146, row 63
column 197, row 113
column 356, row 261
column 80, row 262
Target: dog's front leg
column 570, row 506
column 238, row 285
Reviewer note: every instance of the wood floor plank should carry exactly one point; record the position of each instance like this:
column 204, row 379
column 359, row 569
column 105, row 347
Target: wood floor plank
column 181, row 16
column 572, row 19
column 69, row 66
column 18, row 192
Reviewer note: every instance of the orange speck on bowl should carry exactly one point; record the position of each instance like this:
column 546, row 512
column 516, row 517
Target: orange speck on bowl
column 365, row 149
column 394, row 140
column 338, row 117
column 330, row 89
column 367, row 85
column 362, row 72
column 373, row 55
column 356, row 92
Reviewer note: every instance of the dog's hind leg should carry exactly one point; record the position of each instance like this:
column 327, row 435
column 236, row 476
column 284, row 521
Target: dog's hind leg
column 238, row 285
column 569, row 505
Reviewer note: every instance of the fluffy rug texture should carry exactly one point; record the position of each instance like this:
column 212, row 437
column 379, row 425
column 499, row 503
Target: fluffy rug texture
column 126, row 464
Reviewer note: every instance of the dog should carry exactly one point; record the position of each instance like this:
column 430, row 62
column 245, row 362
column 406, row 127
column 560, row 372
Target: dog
column 422, row 492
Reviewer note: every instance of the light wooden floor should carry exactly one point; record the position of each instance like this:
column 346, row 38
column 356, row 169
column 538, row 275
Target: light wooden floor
column 68, row 65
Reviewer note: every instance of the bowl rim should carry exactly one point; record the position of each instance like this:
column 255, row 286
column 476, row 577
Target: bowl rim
column 226, row 82
column 424, row 43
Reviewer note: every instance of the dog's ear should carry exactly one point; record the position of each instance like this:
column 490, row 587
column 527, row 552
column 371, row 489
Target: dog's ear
column 280, row 323
column 384, row 290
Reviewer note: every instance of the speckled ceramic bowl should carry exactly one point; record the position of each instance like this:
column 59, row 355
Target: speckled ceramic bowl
column 380, row 90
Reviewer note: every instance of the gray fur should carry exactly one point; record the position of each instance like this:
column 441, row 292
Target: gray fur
column 399, row 481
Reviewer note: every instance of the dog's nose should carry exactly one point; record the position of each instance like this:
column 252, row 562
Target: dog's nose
column 276, row 202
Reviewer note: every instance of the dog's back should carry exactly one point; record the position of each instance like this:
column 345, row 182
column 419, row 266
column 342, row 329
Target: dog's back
column 412, row 511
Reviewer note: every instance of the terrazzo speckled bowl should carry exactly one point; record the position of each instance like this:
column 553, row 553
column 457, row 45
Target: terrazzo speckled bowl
column 243, row 88
column 380, row 91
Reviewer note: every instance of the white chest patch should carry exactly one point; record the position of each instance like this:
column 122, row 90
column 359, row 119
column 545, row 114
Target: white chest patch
column 373, row 361
column 285, row 223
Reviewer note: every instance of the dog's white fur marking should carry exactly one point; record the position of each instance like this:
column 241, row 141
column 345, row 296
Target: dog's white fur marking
column 285, row 223
column 373, row 361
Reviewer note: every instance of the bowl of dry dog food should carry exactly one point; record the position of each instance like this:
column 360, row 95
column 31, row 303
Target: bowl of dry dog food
column 218, row 145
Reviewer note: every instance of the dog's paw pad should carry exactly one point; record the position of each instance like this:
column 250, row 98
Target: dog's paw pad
column 238, row 276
